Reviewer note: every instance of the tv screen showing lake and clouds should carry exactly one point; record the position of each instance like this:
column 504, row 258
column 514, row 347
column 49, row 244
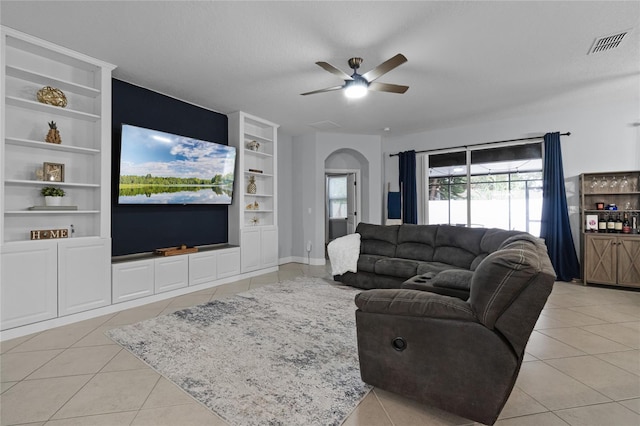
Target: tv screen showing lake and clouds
column 162, row 168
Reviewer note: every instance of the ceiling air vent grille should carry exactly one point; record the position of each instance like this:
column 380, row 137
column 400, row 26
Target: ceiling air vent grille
column 324, row 125
column 607, row 42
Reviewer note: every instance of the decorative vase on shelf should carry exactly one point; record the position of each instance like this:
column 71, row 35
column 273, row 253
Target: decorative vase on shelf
column 252, row 188
column 52, row 201
column 253, row 145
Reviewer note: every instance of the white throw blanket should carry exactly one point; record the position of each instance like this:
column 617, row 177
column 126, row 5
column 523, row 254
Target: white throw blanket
column 343, row 254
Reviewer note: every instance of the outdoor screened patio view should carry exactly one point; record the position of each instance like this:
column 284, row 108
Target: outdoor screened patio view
column 490, row 188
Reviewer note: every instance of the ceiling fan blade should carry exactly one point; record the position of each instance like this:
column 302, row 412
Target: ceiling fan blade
column 385, row 67
column 386, row 87
column 335, row 71
column 329, row 89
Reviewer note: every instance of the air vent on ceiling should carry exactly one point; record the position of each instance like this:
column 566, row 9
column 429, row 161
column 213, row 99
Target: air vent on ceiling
column 609, row 42
column 325, row 125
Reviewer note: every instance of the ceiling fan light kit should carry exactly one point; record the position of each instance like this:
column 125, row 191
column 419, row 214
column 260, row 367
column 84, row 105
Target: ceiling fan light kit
column 356, row 85
column 355, row 89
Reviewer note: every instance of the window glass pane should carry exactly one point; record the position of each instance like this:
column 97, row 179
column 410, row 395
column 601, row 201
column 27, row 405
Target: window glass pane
column 337, row 187
column 338, row 209
column 505, row 188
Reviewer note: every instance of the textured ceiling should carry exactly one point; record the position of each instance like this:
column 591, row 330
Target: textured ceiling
column 467, row 61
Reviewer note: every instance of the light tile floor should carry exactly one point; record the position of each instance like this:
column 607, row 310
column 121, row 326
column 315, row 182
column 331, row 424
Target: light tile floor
column 582, row 368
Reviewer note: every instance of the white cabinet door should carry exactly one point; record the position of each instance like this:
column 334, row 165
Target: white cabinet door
column 250, row 249
column 84, row 275
column 29, row 283
column 202, row 267
column 228, row 262
column 171, row 273
column 269, row 247
column 132, row 280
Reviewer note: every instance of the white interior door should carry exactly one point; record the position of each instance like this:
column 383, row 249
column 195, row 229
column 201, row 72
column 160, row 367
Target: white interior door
column 352, row 205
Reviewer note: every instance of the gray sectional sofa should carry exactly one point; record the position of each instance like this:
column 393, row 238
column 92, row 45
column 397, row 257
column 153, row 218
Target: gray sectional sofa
column 437, row 258
column 461, row 356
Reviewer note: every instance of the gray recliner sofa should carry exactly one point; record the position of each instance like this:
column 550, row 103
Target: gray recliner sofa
column 437, row 258
column 460, row 356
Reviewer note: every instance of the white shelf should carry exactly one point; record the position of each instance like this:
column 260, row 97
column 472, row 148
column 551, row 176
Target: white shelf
column 257, row 153
column 50, row 212
column 63, row 85
column 247, row 195
column 46, row 182
column 251, row 136
column 50, row 146
column 50, row 109
column 258, row 211
column 258, row 174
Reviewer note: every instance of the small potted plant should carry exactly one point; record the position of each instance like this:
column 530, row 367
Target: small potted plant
column 52, row 195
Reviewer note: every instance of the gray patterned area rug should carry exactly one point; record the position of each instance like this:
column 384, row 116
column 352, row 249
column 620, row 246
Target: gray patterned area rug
column 283, row 354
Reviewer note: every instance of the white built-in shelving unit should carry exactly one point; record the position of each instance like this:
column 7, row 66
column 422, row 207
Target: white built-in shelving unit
column 44, row 279
column 253, row 218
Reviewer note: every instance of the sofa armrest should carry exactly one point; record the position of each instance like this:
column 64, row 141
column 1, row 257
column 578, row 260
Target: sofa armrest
column 414, row 303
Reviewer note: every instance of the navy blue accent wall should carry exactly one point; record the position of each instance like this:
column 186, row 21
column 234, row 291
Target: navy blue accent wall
column 143, row 228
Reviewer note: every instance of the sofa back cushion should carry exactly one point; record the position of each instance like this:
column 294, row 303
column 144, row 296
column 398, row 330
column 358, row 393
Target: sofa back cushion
column 504, row 274
column 457, row 245
column 491, row 241
column 416, row 242
column 377, row 239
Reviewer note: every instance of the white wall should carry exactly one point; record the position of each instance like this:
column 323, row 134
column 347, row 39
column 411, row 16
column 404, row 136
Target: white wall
column 309, row 153
column 604, row 137
column 285, row 201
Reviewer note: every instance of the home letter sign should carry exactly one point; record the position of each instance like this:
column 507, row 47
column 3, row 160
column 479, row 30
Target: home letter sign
column 46, row 234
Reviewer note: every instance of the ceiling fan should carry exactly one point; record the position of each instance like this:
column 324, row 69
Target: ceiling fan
column 356, row 85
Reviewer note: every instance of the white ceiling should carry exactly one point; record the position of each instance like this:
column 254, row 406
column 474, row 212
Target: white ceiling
column 467, row 61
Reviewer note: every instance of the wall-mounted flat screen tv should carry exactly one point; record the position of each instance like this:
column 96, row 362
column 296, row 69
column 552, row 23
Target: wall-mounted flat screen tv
column 163, row 168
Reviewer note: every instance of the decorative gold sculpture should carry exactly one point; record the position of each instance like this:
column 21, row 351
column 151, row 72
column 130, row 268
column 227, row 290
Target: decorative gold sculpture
column 53, row 135
column 252, row 188
column 253, row 206
column 52, row 96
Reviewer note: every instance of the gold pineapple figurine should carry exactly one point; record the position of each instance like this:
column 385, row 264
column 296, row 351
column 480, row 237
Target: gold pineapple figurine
column 53, row 136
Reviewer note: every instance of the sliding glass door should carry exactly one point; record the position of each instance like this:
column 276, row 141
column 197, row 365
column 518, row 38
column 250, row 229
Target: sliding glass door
column 489, row 187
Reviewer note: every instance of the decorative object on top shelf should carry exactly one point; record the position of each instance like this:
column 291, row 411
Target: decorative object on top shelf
column 253, row 145
column 255, row 170
column 52, row 195
column 53, row 135
column 253, row 206
column 255, row 220
column 252, row 188
column 53, row 172
column 52, row 96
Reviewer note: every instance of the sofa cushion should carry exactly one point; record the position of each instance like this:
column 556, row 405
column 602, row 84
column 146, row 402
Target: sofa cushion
column 416, row 241
column 453, row 278
column 433, row 267
column 396, row 267
column 367, row 262
column 457, row 245
column 492, row 239
column 376, row 239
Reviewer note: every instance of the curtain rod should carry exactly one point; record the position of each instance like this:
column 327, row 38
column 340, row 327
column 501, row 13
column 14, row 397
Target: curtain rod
column 483, row 143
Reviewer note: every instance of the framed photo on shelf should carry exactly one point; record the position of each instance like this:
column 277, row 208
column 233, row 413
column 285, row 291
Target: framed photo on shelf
column 592, row 222
column 53, row 172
